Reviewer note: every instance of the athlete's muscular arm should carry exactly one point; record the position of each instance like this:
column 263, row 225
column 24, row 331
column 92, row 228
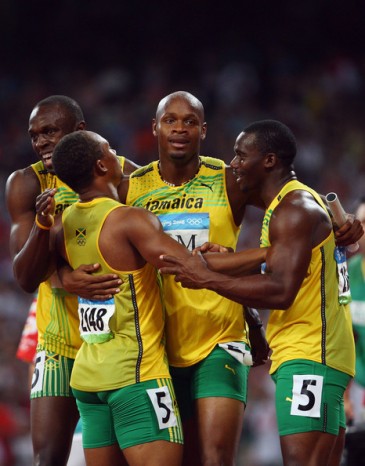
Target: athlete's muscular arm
column 143, row 231
column 29, row 244
column 238, row 264
column 297, row 225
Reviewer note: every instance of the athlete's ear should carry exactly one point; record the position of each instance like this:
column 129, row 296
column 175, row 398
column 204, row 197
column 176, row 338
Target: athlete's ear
column 204, row 131
column 271, row 160
column 81, row 126
column 154, row 124
column 100, row 167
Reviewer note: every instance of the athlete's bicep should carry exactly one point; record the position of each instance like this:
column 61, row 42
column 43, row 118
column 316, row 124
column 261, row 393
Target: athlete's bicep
column 21, row 192
column 289, row 256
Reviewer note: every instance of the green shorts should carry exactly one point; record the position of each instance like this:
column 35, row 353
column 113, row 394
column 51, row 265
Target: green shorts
column 309, row 397
column 132, row 415
column 219, row 374
column 51, row 376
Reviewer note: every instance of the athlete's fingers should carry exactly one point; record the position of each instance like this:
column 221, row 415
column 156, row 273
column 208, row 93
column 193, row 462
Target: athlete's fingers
column 168, row 270
column 99, row 297
column 89, row 268
column 170, row 259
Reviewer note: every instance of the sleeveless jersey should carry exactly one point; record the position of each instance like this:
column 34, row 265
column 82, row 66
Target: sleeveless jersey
column 356, row 267
column 136, row 351
column 316, row 326
column 56, row 313
column 195, row 212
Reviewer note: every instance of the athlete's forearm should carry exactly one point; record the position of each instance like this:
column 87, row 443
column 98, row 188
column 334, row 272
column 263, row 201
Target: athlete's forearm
column 236, row 264
column 34, row 262
column 257, row 291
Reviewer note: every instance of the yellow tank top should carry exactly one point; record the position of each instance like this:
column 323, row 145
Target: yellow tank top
column 198, row 211
column 56, row 314
column 316, row 326
column 135, row 350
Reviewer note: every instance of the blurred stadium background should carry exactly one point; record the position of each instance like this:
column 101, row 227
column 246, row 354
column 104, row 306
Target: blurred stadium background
column 300, row 62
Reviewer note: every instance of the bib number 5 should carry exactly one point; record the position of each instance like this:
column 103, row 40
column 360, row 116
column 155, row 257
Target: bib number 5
column 163, row 406
column 307, row 395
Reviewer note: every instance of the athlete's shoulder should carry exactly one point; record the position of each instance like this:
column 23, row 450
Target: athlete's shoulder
column 23, row 178
column 144, row 171
column 212, row 163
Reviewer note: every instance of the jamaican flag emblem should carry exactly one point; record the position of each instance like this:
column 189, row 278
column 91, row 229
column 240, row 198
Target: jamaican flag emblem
column 81, row 236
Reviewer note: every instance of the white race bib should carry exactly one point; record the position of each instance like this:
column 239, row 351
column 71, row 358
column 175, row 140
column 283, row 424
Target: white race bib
column 307, row 395
column 163, row 406
column 189, row 229
column 38, row 374
column 344, row 295
column 94, row 320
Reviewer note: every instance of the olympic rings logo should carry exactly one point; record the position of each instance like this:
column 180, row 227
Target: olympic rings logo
column 194, row 221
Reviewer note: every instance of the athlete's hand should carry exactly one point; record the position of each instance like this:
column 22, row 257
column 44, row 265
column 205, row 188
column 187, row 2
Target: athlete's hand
column 45, row 207
column 350, row 232
column 82, row 282
column 45, row 203
column 190, row 272
column 211, row 247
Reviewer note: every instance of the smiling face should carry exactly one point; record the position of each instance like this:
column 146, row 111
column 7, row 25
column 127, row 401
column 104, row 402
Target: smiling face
column 248, row 163
column 47, row 125
column 179, row 127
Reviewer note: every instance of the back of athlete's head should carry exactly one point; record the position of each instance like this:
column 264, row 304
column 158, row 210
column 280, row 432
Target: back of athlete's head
column 74, row 159
column 274, row 136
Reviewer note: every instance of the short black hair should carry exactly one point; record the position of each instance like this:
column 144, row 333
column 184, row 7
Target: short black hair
column 72, row 108
column 74, row 158
column 274, row 136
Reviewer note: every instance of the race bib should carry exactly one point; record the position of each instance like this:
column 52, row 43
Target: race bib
column 307, row 395
column 189, row 229
column 94, row 320
column 37, row 379
column 344, row 295
column 238, row 351
column 163, row 406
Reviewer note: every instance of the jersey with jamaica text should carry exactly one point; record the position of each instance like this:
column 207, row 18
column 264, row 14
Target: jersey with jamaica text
column 198, row 211
column 56, row 313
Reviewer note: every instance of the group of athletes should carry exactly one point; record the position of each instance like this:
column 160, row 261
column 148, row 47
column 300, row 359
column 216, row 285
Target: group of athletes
column 152, row 344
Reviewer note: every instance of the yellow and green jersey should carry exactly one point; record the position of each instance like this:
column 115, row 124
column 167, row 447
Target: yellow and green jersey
column 193, row 213
column 124, row 337
column 316, row 326
column 57, row 318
